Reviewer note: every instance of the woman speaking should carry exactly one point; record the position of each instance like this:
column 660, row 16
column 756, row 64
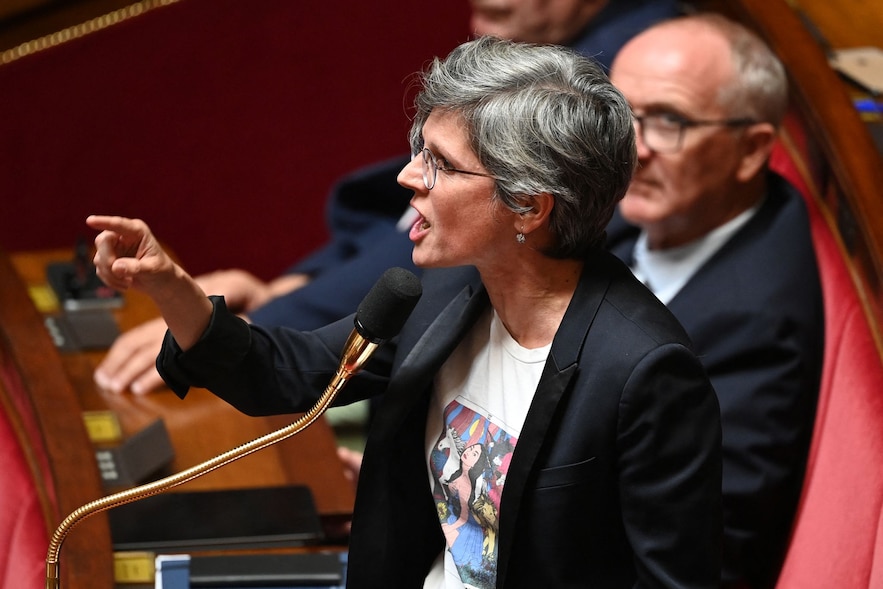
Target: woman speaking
column 544, row 422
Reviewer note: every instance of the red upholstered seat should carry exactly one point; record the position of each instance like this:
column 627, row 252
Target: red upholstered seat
column 837, row 539
column 27, row 495
column 23, row 535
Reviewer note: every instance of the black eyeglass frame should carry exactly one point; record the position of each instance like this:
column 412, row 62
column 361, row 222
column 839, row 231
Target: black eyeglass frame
column 431, row 168
column 684, row 124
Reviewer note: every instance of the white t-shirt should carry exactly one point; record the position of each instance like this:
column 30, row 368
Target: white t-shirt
column 480, row 400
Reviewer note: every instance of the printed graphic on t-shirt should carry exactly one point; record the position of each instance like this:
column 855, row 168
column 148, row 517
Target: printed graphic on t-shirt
column 469, row 465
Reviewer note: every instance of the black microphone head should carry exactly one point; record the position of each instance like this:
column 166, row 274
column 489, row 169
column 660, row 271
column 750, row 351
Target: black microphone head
column 388, row 304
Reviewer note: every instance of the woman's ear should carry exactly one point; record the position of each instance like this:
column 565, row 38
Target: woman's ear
column 757, row 144
column 541, row 206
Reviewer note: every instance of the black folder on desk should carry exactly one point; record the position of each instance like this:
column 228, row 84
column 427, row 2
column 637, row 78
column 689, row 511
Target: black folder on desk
column 219, row 519
column 267, row 570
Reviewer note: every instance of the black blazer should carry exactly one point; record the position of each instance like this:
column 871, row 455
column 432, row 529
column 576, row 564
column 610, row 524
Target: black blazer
column 615, row 481
column 754, row 312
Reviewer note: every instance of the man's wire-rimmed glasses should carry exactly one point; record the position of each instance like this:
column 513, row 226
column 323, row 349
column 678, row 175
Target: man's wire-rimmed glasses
column 664, row 132
column 431, row 166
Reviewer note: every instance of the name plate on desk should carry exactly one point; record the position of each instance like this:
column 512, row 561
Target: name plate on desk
column 134, row 459
column 84, row 330
column 220, row 519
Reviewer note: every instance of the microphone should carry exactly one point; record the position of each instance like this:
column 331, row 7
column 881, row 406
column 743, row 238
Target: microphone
column 379, row 317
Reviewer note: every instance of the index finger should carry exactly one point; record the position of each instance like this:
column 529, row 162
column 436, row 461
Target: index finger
column 122, row 225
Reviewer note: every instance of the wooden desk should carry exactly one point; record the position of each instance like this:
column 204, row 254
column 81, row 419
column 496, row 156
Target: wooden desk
column 200, row 427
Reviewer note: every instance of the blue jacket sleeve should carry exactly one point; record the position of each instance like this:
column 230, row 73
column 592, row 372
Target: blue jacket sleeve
column 361, row 207
column 337, row 291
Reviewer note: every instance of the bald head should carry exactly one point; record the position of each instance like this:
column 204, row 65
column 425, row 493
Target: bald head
column 689, row 60
column 721, row 55
column 708, row 96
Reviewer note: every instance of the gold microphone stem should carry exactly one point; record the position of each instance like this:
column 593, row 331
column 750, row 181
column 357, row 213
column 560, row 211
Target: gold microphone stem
column 356, row 353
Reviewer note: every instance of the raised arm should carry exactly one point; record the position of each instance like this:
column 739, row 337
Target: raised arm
column 129, row 256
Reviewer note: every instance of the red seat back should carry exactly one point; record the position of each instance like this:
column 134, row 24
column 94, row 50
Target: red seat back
column 27, row 495
column 23, row 530
column 837, row 539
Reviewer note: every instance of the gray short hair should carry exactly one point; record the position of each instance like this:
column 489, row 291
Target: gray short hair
column 541, row 118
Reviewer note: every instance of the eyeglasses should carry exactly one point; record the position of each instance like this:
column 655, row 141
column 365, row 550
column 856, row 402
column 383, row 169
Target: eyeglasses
column 431, row 166
column 664, row 132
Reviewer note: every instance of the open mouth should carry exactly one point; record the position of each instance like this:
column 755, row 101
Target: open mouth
column 420, row 227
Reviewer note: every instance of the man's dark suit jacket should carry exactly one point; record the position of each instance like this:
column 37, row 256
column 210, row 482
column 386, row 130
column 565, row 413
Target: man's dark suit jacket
column 614, row 483
column 754, row 313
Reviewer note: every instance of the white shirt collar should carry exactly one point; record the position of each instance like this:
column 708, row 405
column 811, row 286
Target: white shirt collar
column 666, row 271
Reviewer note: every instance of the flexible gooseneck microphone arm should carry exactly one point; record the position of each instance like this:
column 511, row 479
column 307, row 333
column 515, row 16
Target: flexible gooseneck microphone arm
column 380, row 317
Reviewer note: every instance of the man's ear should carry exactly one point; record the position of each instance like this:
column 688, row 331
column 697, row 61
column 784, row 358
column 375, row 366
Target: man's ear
column 757, row 144
column 541, row 206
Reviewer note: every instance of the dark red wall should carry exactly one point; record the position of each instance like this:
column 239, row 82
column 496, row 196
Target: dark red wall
column 223, row 123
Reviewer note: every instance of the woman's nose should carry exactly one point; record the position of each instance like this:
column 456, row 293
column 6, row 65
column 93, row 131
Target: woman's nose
column 411, row 175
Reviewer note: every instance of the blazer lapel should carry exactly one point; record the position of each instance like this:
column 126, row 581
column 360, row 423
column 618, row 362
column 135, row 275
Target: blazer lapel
column 560, row 370
column 417, row 370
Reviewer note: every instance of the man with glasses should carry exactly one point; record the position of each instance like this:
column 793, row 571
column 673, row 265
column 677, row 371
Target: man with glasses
column 725, row 244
